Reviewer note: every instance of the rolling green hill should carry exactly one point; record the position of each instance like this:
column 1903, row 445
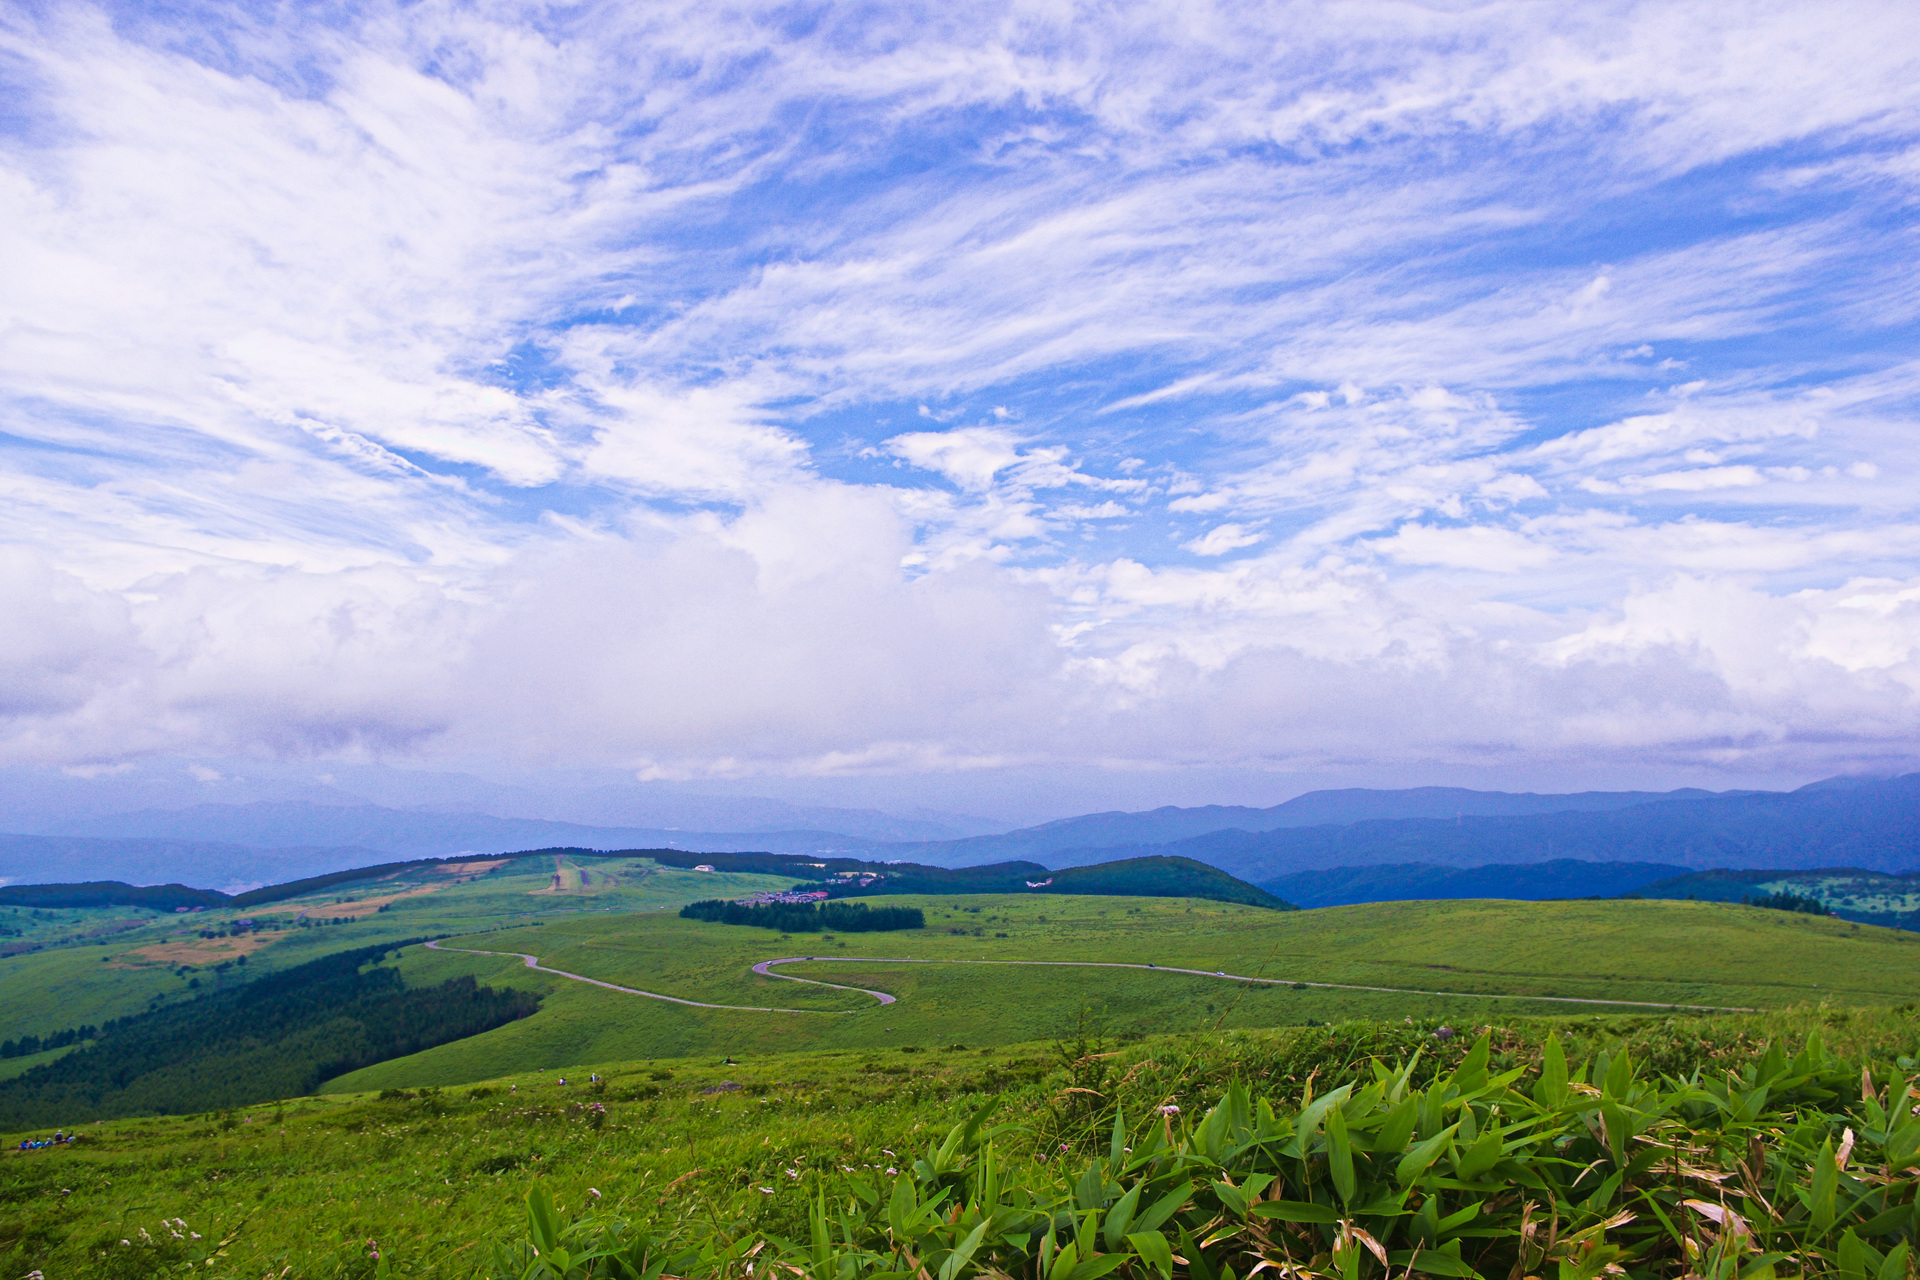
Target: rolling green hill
column 1024, row 998
column 1440, row 959
column 94, row 964
column 435, row 1177
column 1867, row 897
column 1152, row 876
column 987, row 969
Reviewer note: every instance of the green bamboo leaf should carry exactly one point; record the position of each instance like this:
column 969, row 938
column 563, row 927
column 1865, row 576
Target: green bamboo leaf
column 1398, row 1128
column 1165, row 1207
column 1296, row 1211
column 1551, row 1089
column 1197, row 1264
column 964, row 1254
column 1415, row 1162
column 1120, row 1217
column 1340, row 1156
column 1154, row 1251
column 1094, row 1268
column 1432, row 1262
column 1481, row 1156
column 1619, row 1076
column 1826, row 1183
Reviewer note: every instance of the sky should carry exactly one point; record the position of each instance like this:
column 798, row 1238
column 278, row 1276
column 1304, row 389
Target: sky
column 777, row 396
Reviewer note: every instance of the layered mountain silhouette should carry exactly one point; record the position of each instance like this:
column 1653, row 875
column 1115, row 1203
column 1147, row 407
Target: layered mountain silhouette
column 1868, row 823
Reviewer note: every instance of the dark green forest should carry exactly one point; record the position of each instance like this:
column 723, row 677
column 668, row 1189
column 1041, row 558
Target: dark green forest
column 807, row 917
column 1146, row 877
column 26, row 1046
column 110, row 893
column 1786, row 901
column 277, row 1037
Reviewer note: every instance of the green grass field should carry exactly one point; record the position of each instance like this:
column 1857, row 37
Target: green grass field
column 299, row 1189
column 615, row 920
column 846, row 1085
column 152, row 958
column 1655, row 953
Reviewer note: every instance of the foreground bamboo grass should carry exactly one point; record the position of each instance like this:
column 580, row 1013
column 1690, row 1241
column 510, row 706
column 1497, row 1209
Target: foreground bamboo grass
column 1472, row 1152
column 1795, row 1164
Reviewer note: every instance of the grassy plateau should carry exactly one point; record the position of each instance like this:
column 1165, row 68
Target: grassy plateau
column 715, row 1131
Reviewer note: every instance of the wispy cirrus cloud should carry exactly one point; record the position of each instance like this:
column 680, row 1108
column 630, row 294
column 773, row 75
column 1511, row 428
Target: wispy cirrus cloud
column 717, row 389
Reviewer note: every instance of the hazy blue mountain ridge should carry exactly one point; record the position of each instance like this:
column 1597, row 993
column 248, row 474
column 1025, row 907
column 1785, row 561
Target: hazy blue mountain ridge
column 427, row 833
column 1168, row 824
column 50, row 802
column 1873, row 823
column 202, row 864
column 1526, row 882
column 1869, row 823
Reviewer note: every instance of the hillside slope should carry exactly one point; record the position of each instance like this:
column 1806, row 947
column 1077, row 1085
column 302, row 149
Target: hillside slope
column 1850, row 893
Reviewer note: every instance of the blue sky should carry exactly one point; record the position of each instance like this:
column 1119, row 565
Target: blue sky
column 814, row 392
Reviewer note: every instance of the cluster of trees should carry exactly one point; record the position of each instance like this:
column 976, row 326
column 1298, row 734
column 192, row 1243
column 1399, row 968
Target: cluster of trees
column 280, row 1036
column 27, row 1045
column 109, row 893
column 1788, row 901
column 1148, row 877
column 807, row 917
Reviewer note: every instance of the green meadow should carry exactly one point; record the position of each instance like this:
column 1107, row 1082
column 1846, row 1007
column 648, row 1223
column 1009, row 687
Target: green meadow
column 1650, row 953
column 436, row 1177
column 999, row 998
column 147, row 958
column 975, row 980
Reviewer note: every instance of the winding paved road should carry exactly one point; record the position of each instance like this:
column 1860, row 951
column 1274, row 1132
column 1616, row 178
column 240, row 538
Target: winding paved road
column 533, row 962
column 765, row 970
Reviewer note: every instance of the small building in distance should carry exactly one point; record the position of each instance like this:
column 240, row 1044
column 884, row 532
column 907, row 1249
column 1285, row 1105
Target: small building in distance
column 790, row 896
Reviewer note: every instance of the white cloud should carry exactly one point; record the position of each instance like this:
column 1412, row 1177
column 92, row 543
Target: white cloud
column 505, row 381
column 971, row 457
column 1477, row 547
column 1221, row 539
column 1200, row 502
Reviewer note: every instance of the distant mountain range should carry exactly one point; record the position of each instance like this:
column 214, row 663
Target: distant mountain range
column 1868, row 823
column 114, row 802
column 216, row 846
column 1076, row 837
column 205, row 864
column 1531, row 882
column 429, row 833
